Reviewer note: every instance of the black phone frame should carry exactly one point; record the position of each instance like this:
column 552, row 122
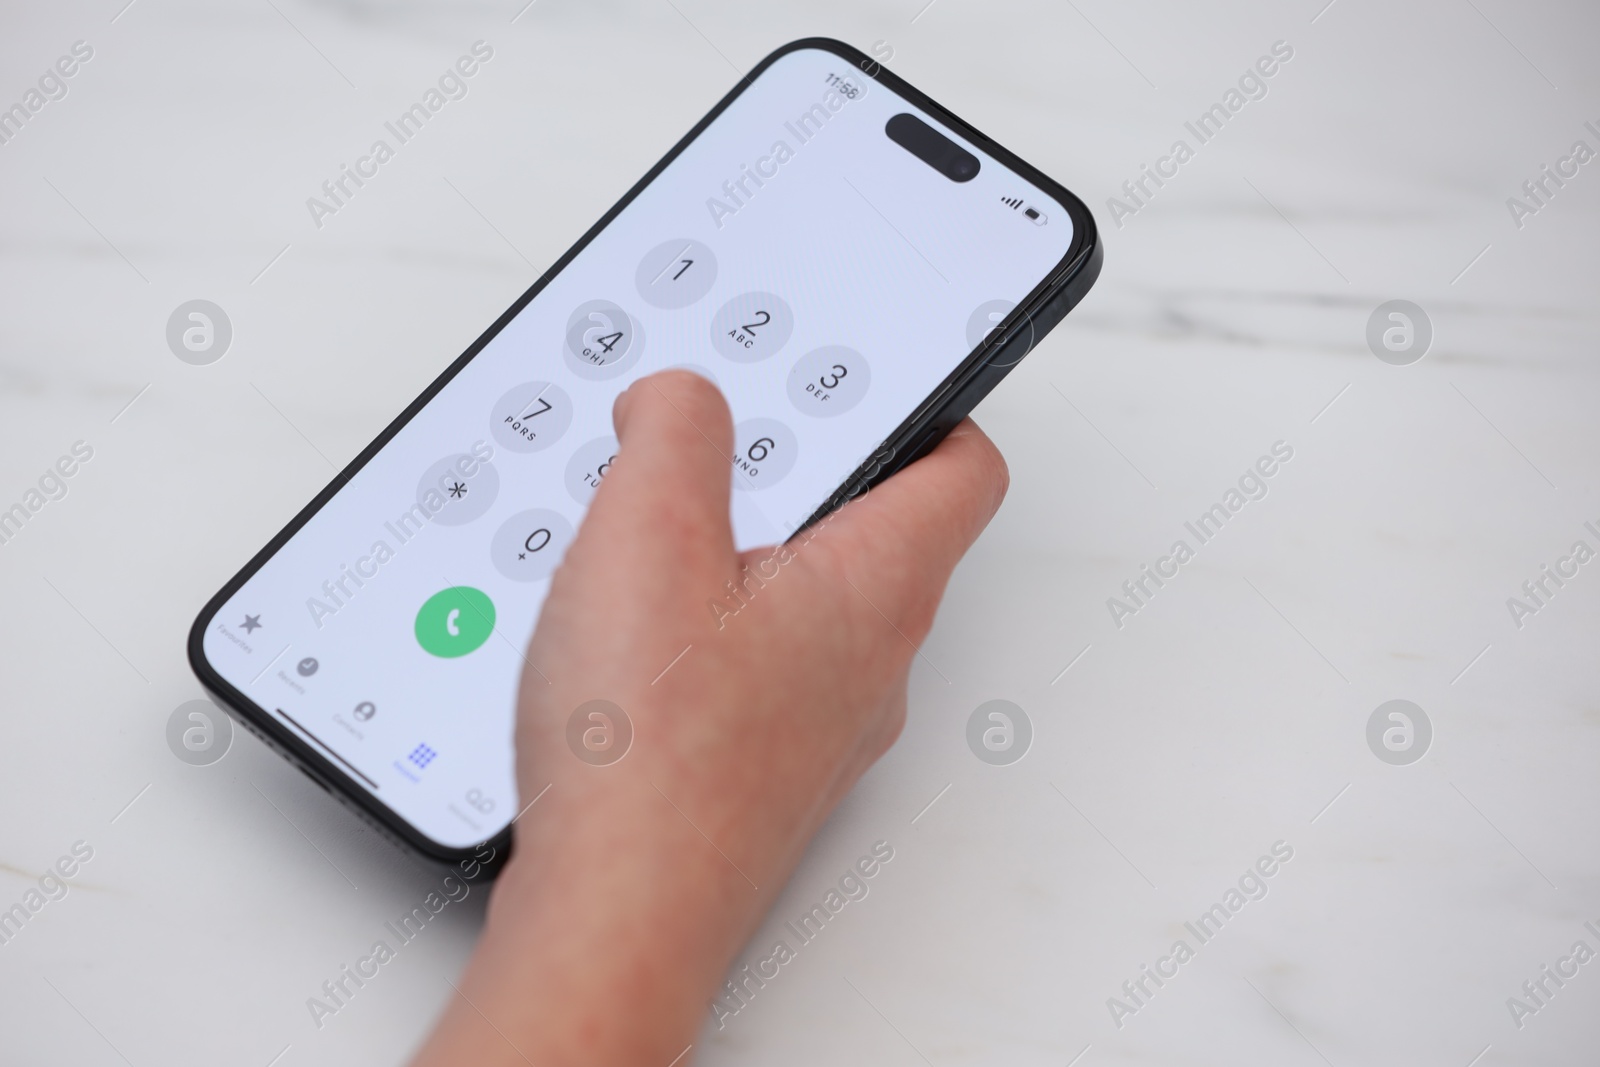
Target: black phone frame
column 956, row 396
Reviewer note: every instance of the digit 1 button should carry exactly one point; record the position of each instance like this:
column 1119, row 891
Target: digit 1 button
column 752, row 327
column 529, row 545
column 829, row 381
column 764, row 451
column 676, row 273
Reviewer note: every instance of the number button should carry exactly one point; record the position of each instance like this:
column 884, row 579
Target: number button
column 765, row 451
column 676, row 274
column 529, row 545
column 752, row 327
column 588, row 466
column 603, row 340
column 531, row 417
column 829, row 381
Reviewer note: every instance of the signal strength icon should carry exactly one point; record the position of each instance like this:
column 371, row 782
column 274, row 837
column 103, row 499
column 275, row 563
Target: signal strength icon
column 1012, row 202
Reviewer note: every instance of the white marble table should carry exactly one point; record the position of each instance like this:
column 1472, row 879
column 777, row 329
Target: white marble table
column 1228, row 714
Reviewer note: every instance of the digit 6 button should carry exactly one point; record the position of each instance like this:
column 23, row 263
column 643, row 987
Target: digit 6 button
column 764, row 451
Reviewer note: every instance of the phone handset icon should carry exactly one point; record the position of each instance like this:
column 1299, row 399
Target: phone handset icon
column 454, row 622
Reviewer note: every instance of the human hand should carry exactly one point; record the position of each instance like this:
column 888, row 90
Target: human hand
column 633, row 884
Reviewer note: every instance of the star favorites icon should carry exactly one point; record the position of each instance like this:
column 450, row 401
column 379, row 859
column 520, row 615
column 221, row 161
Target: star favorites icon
column 251, row 623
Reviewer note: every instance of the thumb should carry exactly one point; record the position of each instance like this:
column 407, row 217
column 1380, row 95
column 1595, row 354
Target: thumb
column 898, row 544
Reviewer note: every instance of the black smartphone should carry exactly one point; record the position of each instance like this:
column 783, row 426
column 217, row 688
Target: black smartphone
column 851, row 264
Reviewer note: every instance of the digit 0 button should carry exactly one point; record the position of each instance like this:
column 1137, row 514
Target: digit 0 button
column 454, row 621
column 752, row 327
column 829, row 381
column 764, row 451
column 530, row 544
column 676, row 273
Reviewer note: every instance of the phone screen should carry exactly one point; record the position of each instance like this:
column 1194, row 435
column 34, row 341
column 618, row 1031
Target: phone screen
column 825, row 277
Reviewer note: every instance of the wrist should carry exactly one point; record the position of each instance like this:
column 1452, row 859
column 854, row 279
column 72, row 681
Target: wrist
column 605, row 938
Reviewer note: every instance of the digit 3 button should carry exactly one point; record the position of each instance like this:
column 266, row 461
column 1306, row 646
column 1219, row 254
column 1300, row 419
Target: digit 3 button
column 529, row 545
column 454, row 622
column 752, row 327
column 531, row 417
column 603, row 340
column 588, row 467
column 676, row 273
column 827, row 382
column 457, row 489
column 764, row 451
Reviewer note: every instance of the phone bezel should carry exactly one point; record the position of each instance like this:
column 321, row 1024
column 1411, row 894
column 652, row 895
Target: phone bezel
column 1062, row 288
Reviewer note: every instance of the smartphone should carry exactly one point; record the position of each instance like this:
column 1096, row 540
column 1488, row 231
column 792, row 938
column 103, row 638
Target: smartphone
column 851, row 264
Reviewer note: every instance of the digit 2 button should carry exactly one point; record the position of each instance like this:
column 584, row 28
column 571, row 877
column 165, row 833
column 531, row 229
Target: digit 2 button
column 676, row 274
column 529, row 545
column 829, row 381
column 752, row 327
column 531, row 417
column 602, row 340
column 764, row 451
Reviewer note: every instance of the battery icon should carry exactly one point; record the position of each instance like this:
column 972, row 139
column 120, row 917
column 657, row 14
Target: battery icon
column 1039, row 218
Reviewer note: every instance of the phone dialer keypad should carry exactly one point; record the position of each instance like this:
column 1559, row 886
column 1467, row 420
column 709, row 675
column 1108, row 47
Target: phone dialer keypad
column 827, row 382
column 603, row 340
column 531, row 417
column 752, row 327
column 676, row 273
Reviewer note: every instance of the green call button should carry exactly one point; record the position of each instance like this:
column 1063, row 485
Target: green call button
column 455, row 621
